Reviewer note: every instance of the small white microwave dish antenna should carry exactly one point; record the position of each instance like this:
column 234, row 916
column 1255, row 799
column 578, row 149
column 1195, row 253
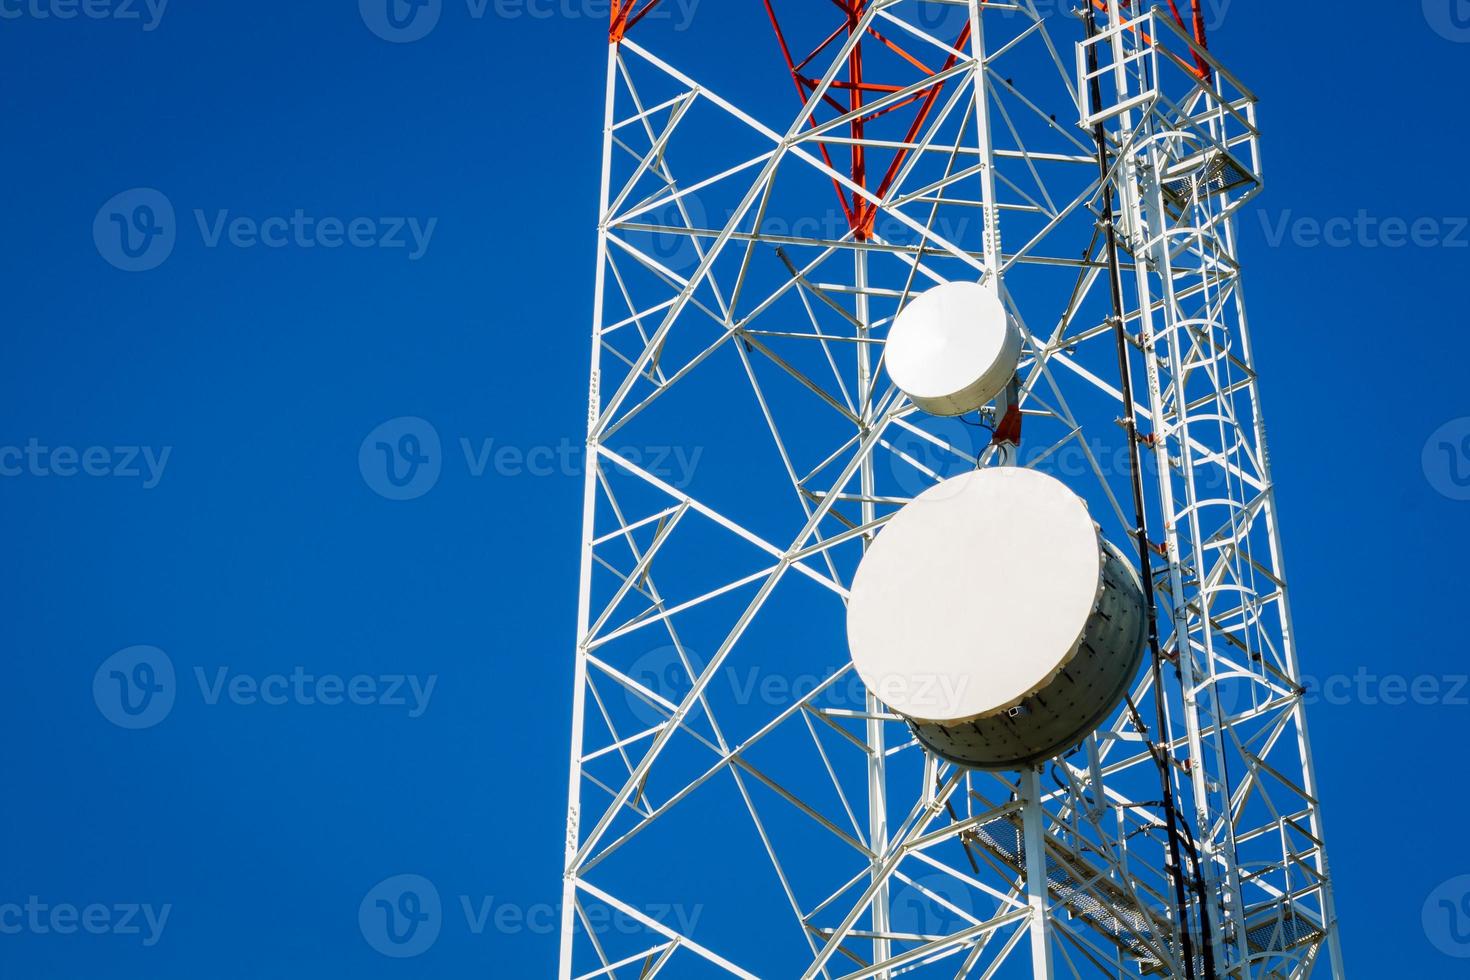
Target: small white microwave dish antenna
column 953, row 348
column 991, row 614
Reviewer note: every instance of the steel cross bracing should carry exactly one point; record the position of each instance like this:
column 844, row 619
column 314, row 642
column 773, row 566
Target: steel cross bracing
column 738, row 804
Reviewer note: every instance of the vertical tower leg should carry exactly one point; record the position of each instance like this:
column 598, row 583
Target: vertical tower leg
column 1033, row 822
column 589, row 510
column 877, row 768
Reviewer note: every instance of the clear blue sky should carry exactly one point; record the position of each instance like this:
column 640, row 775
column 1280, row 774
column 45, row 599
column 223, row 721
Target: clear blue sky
column 255, row 546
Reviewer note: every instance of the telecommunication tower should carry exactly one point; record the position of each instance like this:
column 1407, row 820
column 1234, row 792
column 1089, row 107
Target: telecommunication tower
column 944, row 297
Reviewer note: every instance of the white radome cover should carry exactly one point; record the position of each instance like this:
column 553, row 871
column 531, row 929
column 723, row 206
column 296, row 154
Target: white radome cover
column 953, row 348
column 975, row 595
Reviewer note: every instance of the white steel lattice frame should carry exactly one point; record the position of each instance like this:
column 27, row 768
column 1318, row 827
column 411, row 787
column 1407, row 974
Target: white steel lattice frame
column 1055, row 872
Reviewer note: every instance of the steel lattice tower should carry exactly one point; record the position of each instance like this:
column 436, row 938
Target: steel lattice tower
column 1090, row 163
